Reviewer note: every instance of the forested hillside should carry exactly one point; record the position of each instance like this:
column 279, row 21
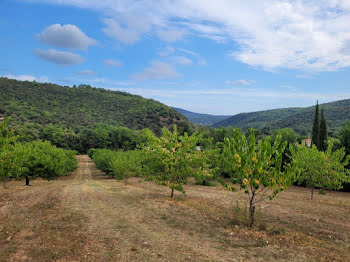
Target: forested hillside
column 299, row 119
column 201, row 119
column 82, row 106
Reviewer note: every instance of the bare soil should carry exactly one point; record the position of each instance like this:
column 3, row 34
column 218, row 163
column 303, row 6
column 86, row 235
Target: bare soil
column 90, row 217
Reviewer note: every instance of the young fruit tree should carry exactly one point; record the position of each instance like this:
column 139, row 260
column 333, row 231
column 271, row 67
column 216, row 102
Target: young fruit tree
column 170, row 158
column 321, row 169
column 256, row 168
column 8, row 166
column 127, row 164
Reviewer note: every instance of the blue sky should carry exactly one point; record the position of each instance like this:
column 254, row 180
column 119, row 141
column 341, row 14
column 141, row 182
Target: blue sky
column 218, row 57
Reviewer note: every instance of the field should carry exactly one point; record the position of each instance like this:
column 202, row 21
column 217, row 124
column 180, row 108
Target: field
column 90, row 217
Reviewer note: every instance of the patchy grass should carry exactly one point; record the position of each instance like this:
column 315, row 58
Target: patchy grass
column 88, row 217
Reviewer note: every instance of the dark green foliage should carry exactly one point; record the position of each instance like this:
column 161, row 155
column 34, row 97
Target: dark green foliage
column 31, row 104
column 32, row 159
column 316, row 128
column 344, row 137
column 299, row 119
column 320, row 169
column 287, row 134
column 41, row 159
column 103, row 159
column 118, row 164
column 323, row 144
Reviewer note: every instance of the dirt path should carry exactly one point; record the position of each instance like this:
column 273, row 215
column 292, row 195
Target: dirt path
column 90, row 217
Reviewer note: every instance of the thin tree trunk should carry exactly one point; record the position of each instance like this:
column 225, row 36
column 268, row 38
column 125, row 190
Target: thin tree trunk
column 251, row 214
column 27, row 181
column 172, row 192
column 252, row 210
column 312, row 193
column 126, row 179
column 5, row 183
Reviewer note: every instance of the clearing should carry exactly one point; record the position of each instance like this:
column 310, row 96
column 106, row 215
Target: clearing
column 90, row 217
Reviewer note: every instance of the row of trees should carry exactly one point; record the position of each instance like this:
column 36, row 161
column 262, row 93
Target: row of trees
column 32, row 159
column 260, row 168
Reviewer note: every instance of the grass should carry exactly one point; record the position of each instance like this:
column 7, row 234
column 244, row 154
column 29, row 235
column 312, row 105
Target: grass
column 88, row 217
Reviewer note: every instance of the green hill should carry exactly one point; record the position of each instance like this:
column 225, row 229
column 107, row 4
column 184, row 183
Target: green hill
column 201, row 119
column 82, row 106
column 299, row 119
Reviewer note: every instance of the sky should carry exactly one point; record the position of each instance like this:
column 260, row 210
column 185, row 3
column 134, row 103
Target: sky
column 219, row 57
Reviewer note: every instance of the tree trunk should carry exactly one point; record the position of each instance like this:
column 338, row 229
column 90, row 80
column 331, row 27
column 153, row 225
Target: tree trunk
column 172, row 192
column 5, row 183
column 126, row 179
column 251, row 215
column 251, row 210
column 312, row 193
column 27, row 181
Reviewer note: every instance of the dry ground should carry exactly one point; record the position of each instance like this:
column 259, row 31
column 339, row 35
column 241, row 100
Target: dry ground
column 89, row 217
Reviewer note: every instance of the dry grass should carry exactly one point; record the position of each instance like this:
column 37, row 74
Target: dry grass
column 89, row 217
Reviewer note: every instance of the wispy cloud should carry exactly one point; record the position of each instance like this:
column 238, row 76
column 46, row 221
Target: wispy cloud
column 307, row 35
column 240, row 82
column 157, row 70
column 182, row 60
column 113, row 63
column 85, row 72
column 59, row 57
column 182, row 55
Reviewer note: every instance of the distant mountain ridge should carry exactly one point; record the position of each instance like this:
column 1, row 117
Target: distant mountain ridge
column 201, row 119
column 299, row 119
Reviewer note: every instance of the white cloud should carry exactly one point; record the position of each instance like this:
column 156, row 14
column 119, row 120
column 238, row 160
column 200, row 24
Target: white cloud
column 182, row 60
column 308, row 35
column 30, row 78
column 66, row 36
column 58, row 57
column 86, row 72
column 171, row 35
column 125, row 34
column 111, row 62
column 240, row 82
column 157, row 70
column 166, row 51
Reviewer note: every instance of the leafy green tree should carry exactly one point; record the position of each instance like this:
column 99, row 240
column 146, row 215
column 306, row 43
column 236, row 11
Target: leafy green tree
column 256, row 168
column 320, row 169
column 8, row 165
column 207, row 163
column 41, row 159
column 323, row 133
column 103, row 159
column 171, row 158
column 287, row 134
column 344, row 137
column 316, row 128
column 127, row 164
